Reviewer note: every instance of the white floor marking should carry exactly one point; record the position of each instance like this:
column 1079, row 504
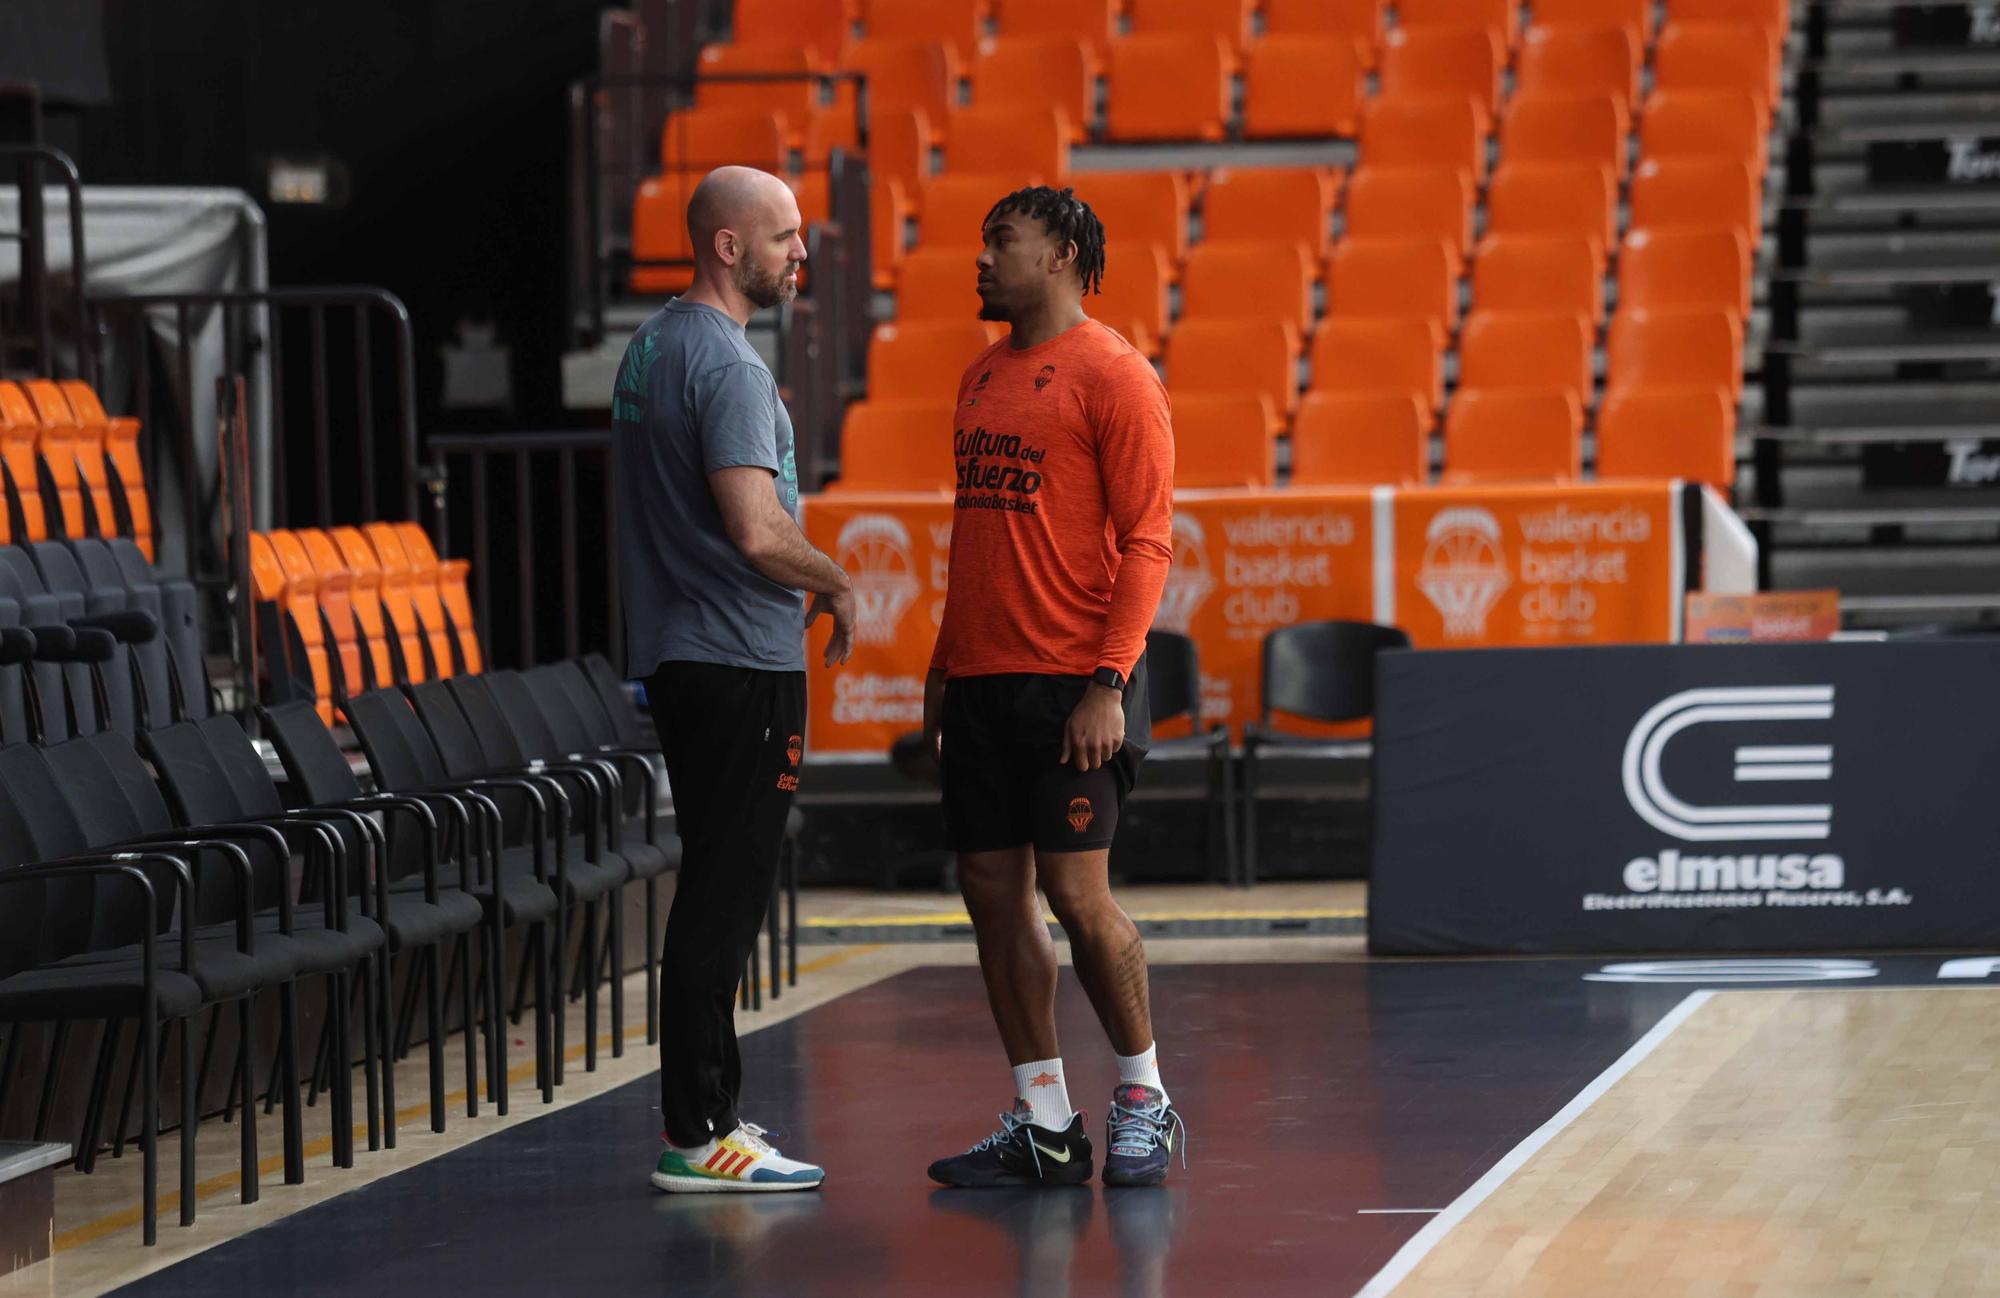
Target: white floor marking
column 1420, row 1244
column 1393, row 1212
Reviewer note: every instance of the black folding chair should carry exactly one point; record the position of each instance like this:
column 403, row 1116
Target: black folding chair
column 1173, row 690
column 1320, row 671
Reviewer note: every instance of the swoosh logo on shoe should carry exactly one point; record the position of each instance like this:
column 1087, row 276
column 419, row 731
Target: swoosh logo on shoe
column 1060, row 1158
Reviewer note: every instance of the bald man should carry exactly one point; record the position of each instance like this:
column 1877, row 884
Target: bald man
column 713, row 564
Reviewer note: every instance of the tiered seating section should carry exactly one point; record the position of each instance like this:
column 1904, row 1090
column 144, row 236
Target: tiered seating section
column 344, row 610
column 1495, row 268
column 69, row 470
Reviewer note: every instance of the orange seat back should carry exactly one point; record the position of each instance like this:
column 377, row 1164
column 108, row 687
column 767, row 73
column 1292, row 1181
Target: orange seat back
column 1565, row 127
column 1668, row 433
column 1773, row 16
column 1394, row 277
column 820, row 25
column 20, row 427
column 899, row 146
column 1302, row 86
column 1526, row 349
column 1227, row 21
column 1580, row 61
column 1221, row 440
column 923, row 362
column 1442, row 62
column 957, row 25
column 1360, row 19
column 398, row 608
column 426, row 590
column 1675, row 348
column 896, row 446
column 796, row 101
column 1501, row 17
column 1514, row 435
column 1009, row 140
column 955, row 208
column 336, row 602
column 1424, row 132
column 1673, row 192
column 1554, row 198
column 938, row 284
column 1530, row 272
column 889, row 211
column 1411, row 202
column 905, row 74
column 701, row 139
column 1725, row 56
column 93, row 433
column 660, row 234
column 1684, row 267
column 1357, row 439
column 1134, row 296
column 366, row 592
column 1355, row 354
column 1140, row 207
column 1292, row 203
column 1235, row 356
column 1635, row 16
column 300, row 599
column 1094, row 23
column 1704, row 124
column 419, row 584
column 1249, row 279
column 55, row 448
column 1168, row 87
column 1032, row 73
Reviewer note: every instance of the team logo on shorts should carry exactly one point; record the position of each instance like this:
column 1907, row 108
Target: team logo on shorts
column 1080, row 814
column 795, row 748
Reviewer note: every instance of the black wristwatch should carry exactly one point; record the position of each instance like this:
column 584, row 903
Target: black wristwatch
column 1109, row 678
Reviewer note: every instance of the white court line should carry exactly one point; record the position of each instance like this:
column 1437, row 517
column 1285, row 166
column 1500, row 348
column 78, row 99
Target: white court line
column 1394, row 1212
column 1420, row 1244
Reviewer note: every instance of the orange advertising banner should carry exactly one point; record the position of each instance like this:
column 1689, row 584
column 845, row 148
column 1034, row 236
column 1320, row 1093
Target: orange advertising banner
column 1455, row 567
column 1772, row 617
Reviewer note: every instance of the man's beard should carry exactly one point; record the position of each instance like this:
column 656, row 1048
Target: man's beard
column 764, row 289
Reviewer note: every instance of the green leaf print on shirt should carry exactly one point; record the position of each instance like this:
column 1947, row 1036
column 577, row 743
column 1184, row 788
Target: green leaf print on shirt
column 628, row 394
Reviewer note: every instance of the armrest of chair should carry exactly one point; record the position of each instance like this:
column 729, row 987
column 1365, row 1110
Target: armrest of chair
column 128, row 626
column 122, row 863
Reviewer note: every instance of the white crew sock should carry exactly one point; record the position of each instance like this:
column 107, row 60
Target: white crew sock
column 1143, row 1068
column 1040, row 1086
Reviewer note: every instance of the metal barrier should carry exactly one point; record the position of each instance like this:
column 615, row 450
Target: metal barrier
column 29, row 161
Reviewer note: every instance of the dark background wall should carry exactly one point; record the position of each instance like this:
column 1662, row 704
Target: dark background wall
column 448, row 117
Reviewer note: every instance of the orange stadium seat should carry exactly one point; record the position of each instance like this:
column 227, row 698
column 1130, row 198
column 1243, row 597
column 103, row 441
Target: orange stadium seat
column 1513, row 435
column 1272, row 203
column 660, row 234
column 922, row 362
column 955, row 208
column 1234, row 356
column 1445, row 62
column 336, row 605
column 1134, row 296
column 1680, row 267
column 1027, row 72
column 797, row 103
column 1675, row 348
column 19, row 429
column 1672, row 192
column 1139, row 207
column 55, row 449
column 899, row 146
column 129, row 500
column 1246, row 279
column 1560, row 127
column 954, row 24
column 837, row 127
column 891, row 445
column 937, row 284
column 1009, row 140
column 1703, row 124
column 1094, row 22
column 700, row 139
column 1168, row 87
column 1533, row 272
column 1668, row 433
column 1361, row 19
column 1774, row 16
column 420, row 557
column 1525, row 349
column 370, row 615
column 823, row 26
column 282, row 575
column 1410, row 278
column 905, row 74
column 1580, row 61
column 452, row 593
column 814, row 194
column 1220, row 440
column 1302, row 86
column 1226, row 20
column 1373, row 353
column 1502, row 17
column 1411, row 202
column 1554, row 198
column 1724, row 56
column 1424, row 132
column 889, row 214
column 93, row 435
column 399, row 610
column 1634, row 15
column 1361, row 439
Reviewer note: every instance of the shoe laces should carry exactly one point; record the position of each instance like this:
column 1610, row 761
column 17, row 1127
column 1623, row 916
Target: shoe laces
column 1138, row 1132
column 752, row 1136
column 1011, row 1125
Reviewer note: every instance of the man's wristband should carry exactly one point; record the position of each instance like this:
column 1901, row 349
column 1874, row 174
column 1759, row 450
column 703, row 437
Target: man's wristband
column 1110, row 678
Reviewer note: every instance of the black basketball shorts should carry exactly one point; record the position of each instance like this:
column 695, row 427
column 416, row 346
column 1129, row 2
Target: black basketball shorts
column 1004, row 784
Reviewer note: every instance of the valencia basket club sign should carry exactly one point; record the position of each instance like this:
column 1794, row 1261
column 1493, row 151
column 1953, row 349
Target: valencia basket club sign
column 1811, row 797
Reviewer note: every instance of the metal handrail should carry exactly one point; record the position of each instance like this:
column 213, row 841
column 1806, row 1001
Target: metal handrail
column 33, row 238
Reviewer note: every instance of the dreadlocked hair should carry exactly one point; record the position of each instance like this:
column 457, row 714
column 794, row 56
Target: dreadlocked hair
column 1066, row 217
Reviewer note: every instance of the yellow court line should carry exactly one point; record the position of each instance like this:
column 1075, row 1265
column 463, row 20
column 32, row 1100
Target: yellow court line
column 170, row 1200
column 1152, row 917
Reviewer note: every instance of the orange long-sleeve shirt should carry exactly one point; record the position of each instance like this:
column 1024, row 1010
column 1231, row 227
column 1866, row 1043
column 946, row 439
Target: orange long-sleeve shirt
column 1062, row 531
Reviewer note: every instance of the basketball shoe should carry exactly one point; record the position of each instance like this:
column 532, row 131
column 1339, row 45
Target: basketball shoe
column 740, row 1161
column 1141, row 1134
column 1020, row 1153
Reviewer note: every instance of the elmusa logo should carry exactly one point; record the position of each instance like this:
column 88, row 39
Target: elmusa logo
column 1657, row 805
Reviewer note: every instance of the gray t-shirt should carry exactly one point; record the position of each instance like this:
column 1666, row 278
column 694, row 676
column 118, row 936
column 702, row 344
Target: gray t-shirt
column 693, row 396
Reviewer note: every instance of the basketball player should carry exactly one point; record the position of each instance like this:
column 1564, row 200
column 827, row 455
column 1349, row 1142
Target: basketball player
column 712, row 561
column 1036, row 698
